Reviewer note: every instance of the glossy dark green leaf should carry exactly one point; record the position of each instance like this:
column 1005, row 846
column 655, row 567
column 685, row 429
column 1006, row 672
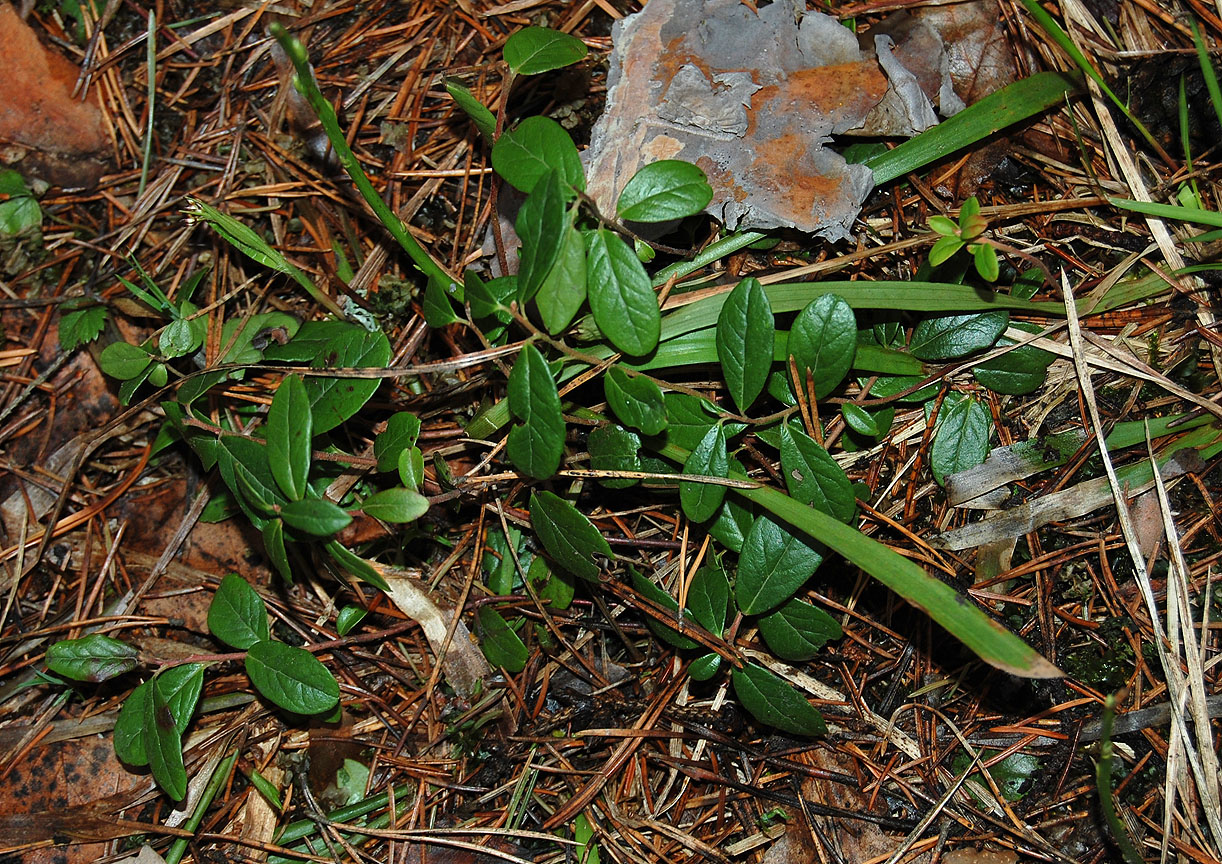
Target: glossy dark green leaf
column 621, row 294
column 348, row 617
column 775, row 702
column 492, row 298
column 396, row 504
column 946, row 337
column 500, row 644
column 613, row 448
column 567, row 535
column 745, row 336
column 402, row 430
column 1017, row 373
column 700, row 501
column 886, row 386
column 798, row 630
column 961, row 438
column 484, row 120
column 860, row 420
column 531, row 149
column 332, row 345
column 535, row 445
column 564, row 290
column 356, row 565
column 704, row 667
column 91, row 658
column 813, row 477
column 129, row 727
column 247, row 472
column 542, row 223
column 316, row 516
column 436, row 306
column 555, row 588
column 664, row 190
column 290, row 431
column 773, row 565
column 123, row 361
column 291, row 677
column 277, row 552
column 653, row 593
column 686, row 419
column 636, row 400
column 237, row 615
column 180, row 687
column 163, row 744
column 823, row 341
column 533, row 50
column 733, row 522
column 708, row 597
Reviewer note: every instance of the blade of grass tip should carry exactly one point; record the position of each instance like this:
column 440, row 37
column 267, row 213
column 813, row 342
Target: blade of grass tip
column 150, row 69
column 1011, row 104
column 1103, row 782
column 1066, row 44
column 1207, row 69
column 308, row 88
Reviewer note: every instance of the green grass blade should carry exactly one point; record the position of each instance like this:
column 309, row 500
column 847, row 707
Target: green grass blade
column 1207, row 69
column 1170, row 211
column 1011, row 104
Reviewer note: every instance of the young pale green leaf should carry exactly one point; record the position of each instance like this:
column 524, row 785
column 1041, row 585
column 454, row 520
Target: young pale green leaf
column 237, row 615
column 543, row 223
column 554, row 588
column 813, row 477
column 943, row 250
column 356, row 565
column 987, row 264
column 177, row 339
column 290, row 432
column 91, row 658
column 484, row 120
column 500, row 643
column 533, row 50
column 567, row 535
column 823, row 340
column 396, row 504
column 564, row 290
column 621, row 295
column 19, row 216
column 291, row 677
column 277, row 552
column 78, row 326
column 402, row 430
column 124, row 361
column 411, row 468
column 656, row 595
column 961, row 439
column 708, row 597
column 773, row 565
column 531, row 149
column 775, row 702
column 316, row 516
column 636, row 400
column 701, row 501
column 180, row 687
column 943, row 225
column 664, row 190
column 745, row 337
column 1018, row 372
column 163, row 744
column 13, row 185
column 613, row 448
column 348, row 617
column 704, row 667
column 436, row 306
column 946, row 337
column 797, row 630
column 536, row 445
column 129, row 727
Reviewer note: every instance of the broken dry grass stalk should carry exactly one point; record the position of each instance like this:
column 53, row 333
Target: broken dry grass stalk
column 150, row 69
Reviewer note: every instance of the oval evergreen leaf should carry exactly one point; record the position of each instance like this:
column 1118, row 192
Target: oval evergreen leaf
column 946, row 337
column 1018, row 372
column 664, row 190
column 708, row 597
column 402, row 430
column 91, row 658
column 532, row 50
column 704, row 667
column 636, row 400
column 129, row 727
column 823, row 341
column 798, row 630
column 396, row 505
column 745, row 336
column 542, row 225
column 237, row 615
column 291, row 677
column 163, row 744
column 567, row 535
column 277, row 552
column 773, row 565
column 621, row 295
column 961, row 438
column 500, row 644
column 564, row 290
column 290, row 431
column 813, row 477
column 316, row 516
column 123, row 361
column 536, row 445
column 700, row 501
column 656, row 595
column 180, row 687
column 484, row 120
column 775, row 702
column 613, row 448
column 532, row 148
column 349, row 617
column 334, row 400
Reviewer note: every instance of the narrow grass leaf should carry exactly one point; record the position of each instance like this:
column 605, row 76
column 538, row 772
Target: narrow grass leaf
column 797, row 630
column 290, row 433
column 823, row 341
column 813, row 476
column 237, row 615
column 621, row 296
column 533, row 50
column 773, row 565
column 291, row 677
column 536, row 445
column 947, row 337
column 636, row 400
column 500, row 644
column 775, row 702
column 701, row 501
column 531, row 149
column 664, row 190
column 567, row 535
column 745, row 341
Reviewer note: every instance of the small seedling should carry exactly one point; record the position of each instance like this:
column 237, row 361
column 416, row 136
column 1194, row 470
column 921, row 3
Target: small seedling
column 967, row 233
